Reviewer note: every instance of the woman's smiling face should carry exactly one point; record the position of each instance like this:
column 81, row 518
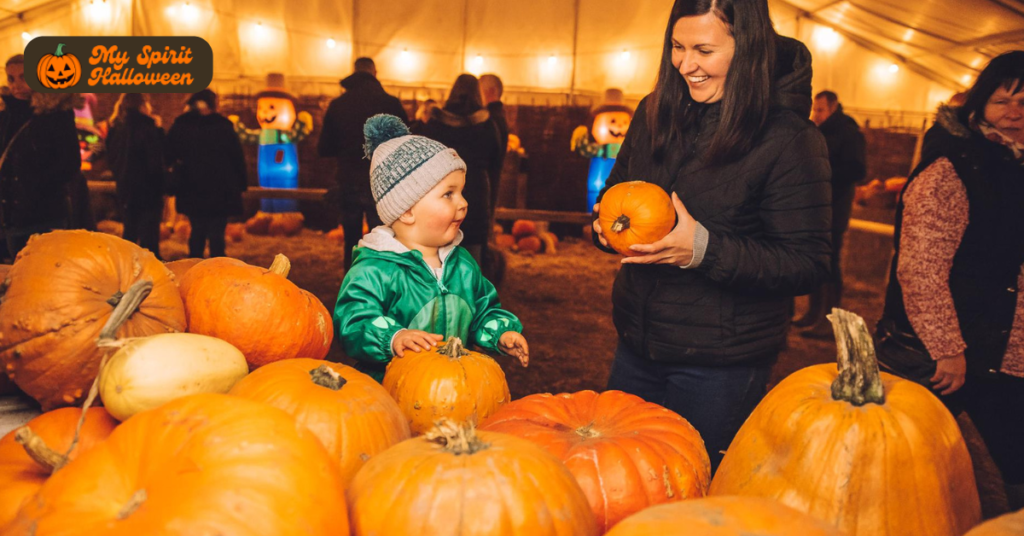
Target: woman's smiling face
column 702, row 50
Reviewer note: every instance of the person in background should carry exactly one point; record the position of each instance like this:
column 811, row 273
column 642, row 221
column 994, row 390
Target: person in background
column 492, row 89
column 423, row 114
column 703, row 313
column 342, row 138
column 40, row 158
column 846, row 155
column 209, row 171
column 954, row 309
column 135, row 152
column 466, row 126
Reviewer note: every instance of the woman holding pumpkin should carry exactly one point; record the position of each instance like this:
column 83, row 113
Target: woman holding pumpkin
column 954, row 310
column 703, row 313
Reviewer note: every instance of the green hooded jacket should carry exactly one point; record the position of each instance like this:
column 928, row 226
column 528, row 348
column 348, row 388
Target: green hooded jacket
column 390, row 288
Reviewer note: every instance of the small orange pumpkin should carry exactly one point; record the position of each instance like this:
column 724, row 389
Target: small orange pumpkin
column 723, row 516
column 523, row 228
column 59, row 70
column 286, row 224
column 234, row 232
column 337, row 235
column 180, row 266
column 182, row 229
column 445, row 382
column 530, row 244
column 259, row 224
column 635, row 212
column 504, row 241
column 348, row 411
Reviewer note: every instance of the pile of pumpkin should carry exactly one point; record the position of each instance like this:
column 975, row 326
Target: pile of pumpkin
column 275, row 224
column 233, row 424
column 527, row 237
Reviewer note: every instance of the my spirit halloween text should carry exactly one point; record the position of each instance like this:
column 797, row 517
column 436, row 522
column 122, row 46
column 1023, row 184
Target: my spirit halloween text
column 115, row 73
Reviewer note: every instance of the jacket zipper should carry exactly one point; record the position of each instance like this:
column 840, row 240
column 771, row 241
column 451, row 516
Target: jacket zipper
column 442, row 290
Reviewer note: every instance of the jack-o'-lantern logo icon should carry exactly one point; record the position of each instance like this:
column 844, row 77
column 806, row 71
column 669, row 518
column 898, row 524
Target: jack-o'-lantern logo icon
column 59, row 70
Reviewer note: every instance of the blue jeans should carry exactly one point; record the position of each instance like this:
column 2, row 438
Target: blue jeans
column 716, row 400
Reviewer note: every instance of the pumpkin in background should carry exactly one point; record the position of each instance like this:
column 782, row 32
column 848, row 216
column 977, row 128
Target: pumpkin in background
column 202, row 464
column 63, row 288
column 59, row 70
column 166, row 230
column 529, row 244
column 48, row 437
column 180, row 266
column 447, row 381
column 635, row 212
column 459, row 482
column 337, row 235
column 7, row 387
column 504, row 241
column 259, row 224
column 110, row 227
column 868, row 452
column 234, row 232
column 182, row 229
column 150, row 371
column 351, row 414
column 627, row 454
column 723, row 516
column 257, row 310
column 523, row 228
column 1011, row 524
column 286, row 224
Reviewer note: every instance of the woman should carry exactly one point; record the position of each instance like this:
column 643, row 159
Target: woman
column 135, row 146
column 466, row 126
column 703, row 313
column 954, row 312
column 209, row 168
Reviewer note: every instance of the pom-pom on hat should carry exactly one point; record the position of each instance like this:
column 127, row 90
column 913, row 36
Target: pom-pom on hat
column 403, row 167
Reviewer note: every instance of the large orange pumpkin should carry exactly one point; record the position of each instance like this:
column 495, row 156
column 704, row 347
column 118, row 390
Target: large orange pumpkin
column 627, row 454
column 723, row 516
column 870, row 453
column 635, row 212
column 259, row 311
column 458, row 482
column 6, row 385
column 62, row 290
column 59, row 70
column 351, row 414
column 445, row 382
column 202, row 464
column 48, row 437
column 1007, row 525
column 180, row 266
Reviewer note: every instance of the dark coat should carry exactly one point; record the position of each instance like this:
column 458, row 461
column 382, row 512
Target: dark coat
column 768, row 218
column 42, row 161
column 342, row 133
column 209, row 165
column 497, row 110
column 135, row 152
column 846, row 151
column 475, row 137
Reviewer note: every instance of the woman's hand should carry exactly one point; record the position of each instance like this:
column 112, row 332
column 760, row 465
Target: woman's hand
column 950, row 373
column 597, row 226
column 415, row 340
column 677, row 246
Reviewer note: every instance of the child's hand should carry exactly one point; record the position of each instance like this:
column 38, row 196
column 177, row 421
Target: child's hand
column 415, row 340
column 514, row 343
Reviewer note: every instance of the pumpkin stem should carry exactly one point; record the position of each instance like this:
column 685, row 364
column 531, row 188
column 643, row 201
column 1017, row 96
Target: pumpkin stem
column 125, row 306
column 60, row 50
column 325, row 376
column 453, row 349
column 38, row 450
column 588, row 431
column 134, row 503
column 621, row 224
column 281, row 265
column 456, row 438
column 859, row 381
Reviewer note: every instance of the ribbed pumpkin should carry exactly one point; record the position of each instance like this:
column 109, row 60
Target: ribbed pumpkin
column 48, row 437
column 635, row 212
column 870, row 453
column 627, row 454
column 63, row 288
column 259, row 311
column 351, row 414
column 723, row 516
column 202, row 464
column 1011, row 524
column 445, row 382
column 455, row 481
column 150, row 371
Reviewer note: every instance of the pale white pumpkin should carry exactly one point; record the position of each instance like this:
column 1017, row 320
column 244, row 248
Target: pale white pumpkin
column 150, row 371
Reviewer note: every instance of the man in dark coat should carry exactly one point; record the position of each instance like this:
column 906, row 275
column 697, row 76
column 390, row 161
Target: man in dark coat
column 846, row 155
column 342, row 138
column 491, row 88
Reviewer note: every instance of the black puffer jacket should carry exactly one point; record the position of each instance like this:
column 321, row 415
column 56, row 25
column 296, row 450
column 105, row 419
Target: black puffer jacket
column 768, row 216
column 42, row 160
column 135, row 151
column 210, row 173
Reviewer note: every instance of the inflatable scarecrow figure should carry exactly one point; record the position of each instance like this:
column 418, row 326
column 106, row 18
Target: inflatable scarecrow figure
column 91, row 135
column 611, row 121
column 280, row 129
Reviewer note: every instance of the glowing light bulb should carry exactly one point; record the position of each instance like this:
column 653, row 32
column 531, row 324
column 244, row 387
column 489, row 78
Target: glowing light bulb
column 478, row 61
column 405, row 54
column 894, row 68
column 826, row 38
column 331, row 43
column 625, row 55
column 189, row 12
column 552, row 59
column 26, row 36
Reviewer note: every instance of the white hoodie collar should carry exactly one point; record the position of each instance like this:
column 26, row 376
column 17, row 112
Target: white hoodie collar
column 382, row 238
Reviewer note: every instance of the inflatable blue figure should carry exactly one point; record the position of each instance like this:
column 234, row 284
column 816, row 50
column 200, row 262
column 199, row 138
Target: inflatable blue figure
column 280, row 129
column 611, row 121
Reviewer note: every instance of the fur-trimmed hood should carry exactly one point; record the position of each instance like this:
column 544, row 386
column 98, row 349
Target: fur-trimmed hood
column 946, row 117
column 458, row 121
column 45, row 102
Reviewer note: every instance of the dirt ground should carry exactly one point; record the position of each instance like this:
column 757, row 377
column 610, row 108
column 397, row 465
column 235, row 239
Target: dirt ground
column 564, row 301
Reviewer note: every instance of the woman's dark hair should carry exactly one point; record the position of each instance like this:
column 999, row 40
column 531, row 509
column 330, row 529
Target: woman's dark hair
column 1004, row 71
column 748, row 87
column 206, row 96
column 465, row 97
column 129, row 102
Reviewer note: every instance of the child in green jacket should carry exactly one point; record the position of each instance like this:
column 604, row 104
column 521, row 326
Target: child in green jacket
column 411, row 285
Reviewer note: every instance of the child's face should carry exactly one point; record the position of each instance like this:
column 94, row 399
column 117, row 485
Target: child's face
column 436, row 218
